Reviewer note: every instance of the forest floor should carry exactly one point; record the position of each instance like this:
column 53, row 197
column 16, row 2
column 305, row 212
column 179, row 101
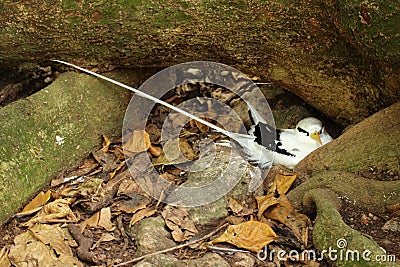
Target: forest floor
column 91, row 216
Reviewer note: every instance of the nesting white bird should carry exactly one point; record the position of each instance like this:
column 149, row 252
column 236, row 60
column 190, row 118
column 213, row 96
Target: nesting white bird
column 293, row 145
column 290, row 145
column 263, row 145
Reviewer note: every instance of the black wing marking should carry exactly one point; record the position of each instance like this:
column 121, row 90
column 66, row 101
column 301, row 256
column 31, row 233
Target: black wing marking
column 265, row 136
column 282, row 150
column 263, row 133
column 251, row 117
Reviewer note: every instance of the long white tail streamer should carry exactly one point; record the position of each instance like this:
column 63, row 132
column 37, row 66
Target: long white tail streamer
column 195, row 196
column 152, row 98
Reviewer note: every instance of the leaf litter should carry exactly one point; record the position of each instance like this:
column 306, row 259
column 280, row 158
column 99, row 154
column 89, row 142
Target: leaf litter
column 81, row 219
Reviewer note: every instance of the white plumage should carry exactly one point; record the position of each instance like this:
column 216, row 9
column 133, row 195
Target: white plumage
column 263, row 145
column 290, row 146
column 293, row 145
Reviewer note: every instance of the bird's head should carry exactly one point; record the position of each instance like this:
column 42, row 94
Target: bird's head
column 310, row 129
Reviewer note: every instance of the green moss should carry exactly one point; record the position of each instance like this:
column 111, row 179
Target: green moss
column 378, row 33
column 71, row 108
column 329, row 228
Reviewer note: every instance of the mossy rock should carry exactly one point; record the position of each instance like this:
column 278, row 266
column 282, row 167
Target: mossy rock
column 53, row 130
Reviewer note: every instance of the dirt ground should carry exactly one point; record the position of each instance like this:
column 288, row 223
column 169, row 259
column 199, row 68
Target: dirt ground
column 124, row 247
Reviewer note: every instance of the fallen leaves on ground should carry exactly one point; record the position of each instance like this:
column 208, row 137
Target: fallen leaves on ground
column 176, row 151
column 42, row 245
column 105, row 237
column 276, row 206
column 283, row 181
column 90, row 188
column 238, row 208
column 86, row 210
column 36, row 204
column 285, row 213
column 4, row 261
column 105, row 219
column 178, row 220
column 251, row 235
column 78, row 174
column 143, row 213
column 139, row 142
column 56, row 211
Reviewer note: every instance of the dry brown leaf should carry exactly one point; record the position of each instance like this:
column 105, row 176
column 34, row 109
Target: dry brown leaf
column 137, row 200
column 235, row 205
column 105, row 219
column 4, row 261
column 203, row 128
column 107, row 161
column 155, row 150
column 264, row 202
column 54, row 236
column 127, row 209
column 177, row 120
column 85, row 168
column 176, row 151
column 139, row 142
column 106, row 143
column 186, row 149
column 28, row 250
column 90, row 188
column 35, row 204
column 154, row 132
column 282, row 183
column 178, row 220
column 105, row 237
column 128, row 187
column 172, row 178
column 222, row 95
column 144, row 213
column 285, row 213
column 235, row 219
column 120, row 165
column 56, row 211
column 92, row 221
column 251, row 235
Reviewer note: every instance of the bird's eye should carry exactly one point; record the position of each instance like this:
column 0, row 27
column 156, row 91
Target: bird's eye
column 320, row 131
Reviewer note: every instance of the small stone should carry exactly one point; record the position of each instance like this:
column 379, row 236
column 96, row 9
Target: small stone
column 241, row 259
column 209, row 259
column 161, row 260
column 392, row 225
column 151, row 235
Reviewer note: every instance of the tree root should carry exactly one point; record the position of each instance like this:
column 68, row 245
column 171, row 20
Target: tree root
column 371, row 195
column 330, row 179
column 336, row 241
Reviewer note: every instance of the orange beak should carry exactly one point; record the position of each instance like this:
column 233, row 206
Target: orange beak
column 316, row 137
